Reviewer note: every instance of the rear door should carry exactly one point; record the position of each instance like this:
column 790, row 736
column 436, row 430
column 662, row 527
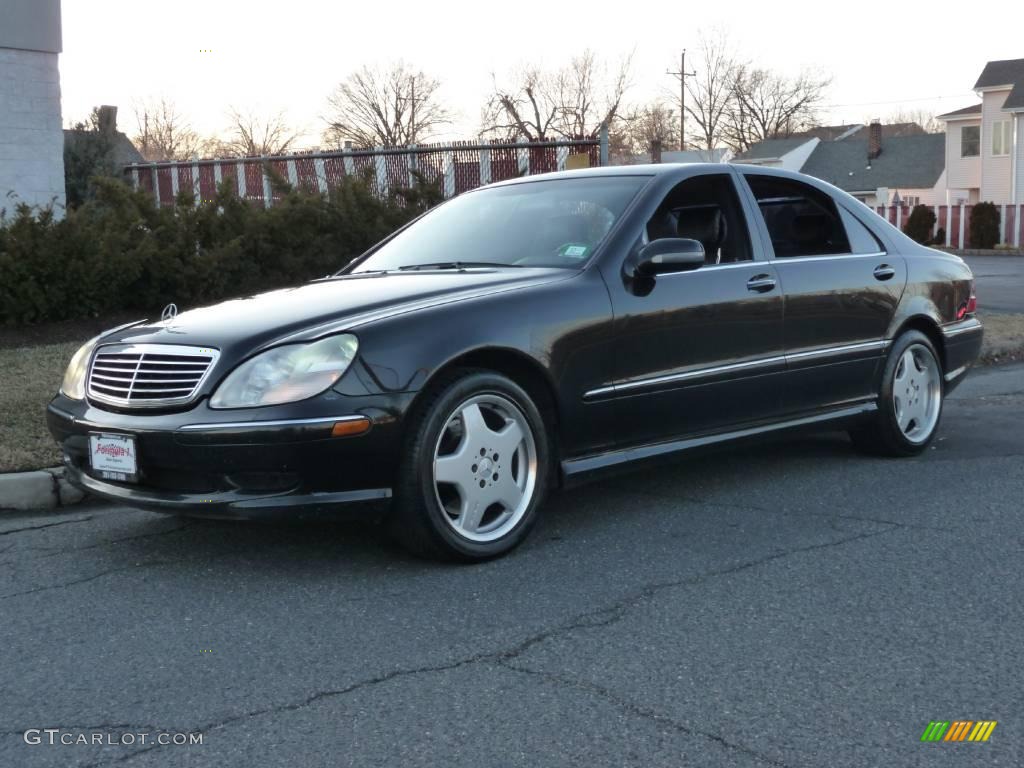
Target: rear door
column 840, row 288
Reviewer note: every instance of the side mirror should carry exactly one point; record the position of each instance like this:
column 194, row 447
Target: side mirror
column 669, row 254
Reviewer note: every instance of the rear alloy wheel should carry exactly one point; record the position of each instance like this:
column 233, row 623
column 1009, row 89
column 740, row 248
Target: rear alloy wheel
column 475, row 470
column 910, row 402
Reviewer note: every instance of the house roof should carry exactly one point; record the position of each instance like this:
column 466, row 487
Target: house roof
column 1016, row 98
column 855, row 130
column 1005, row 72
column 124, row 152
column 771, row 149
column 906, row 162
column 974, row 109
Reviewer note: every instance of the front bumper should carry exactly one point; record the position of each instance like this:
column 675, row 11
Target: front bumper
column 248, row 463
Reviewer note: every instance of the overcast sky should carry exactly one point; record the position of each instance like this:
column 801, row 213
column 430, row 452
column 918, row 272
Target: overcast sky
column 271, row 56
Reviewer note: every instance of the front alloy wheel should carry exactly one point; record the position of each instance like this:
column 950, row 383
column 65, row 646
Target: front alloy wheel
column 485, row 467
column 474, row 471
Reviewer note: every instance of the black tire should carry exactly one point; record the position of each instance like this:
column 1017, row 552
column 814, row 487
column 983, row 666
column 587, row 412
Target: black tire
column 881, row 435
column 417, row 520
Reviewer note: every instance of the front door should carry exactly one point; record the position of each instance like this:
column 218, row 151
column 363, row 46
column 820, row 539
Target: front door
column 698, row 351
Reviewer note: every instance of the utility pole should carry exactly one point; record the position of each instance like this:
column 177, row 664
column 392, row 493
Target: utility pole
column 682, row 74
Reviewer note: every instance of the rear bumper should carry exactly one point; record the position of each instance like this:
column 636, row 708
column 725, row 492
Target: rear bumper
column 962, row 342
column 240, row 464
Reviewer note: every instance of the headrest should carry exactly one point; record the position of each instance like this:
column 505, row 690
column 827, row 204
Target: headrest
column 704, row 224
column 662, row 224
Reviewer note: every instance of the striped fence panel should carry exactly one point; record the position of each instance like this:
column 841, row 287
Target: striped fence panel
column 955, row 222
column 455, row 167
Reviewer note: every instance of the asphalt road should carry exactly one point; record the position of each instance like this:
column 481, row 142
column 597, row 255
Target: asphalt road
column 999, row 283
column 790, row 604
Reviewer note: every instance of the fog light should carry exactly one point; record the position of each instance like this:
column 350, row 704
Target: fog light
column 350, row 427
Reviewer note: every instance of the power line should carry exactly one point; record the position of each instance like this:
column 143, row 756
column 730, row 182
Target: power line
column 899, row 101
column 682, row 74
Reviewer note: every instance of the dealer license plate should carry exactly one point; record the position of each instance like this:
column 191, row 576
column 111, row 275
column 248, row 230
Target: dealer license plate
column 112, row 457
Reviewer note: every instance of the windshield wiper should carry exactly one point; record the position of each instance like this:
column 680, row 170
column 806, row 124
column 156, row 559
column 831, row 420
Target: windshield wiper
column 455, row 265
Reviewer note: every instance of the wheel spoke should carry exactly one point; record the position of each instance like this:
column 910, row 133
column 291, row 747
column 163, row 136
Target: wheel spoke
column 904, row 368
column 474, row 428
column 507, row 493
column 472, row 512
column 508, row 439
column 453, row 469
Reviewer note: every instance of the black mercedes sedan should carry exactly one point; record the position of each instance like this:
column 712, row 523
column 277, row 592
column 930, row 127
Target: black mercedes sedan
column 523, row 336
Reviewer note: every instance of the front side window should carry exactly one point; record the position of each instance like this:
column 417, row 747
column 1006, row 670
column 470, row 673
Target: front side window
column 970, row 141
column 553, row 223
column 706, row 209
column 801, row 220
column 1001, row 137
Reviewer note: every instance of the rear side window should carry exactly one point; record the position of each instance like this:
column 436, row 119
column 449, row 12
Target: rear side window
column 860, row 237
column 801, row 220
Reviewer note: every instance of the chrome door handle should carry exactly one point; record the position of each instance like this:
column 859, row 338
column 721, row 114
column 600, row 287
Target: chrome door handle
column 761, row 283
column 884, row 272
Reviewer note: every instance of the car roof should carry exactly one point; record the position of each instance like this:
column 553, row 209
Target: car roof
column 652, row 170
column 649, row 169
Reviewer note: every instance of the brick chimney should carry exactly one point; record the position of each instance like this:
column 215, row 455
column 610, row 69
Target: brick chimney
column 874, row 139
column 108, row 119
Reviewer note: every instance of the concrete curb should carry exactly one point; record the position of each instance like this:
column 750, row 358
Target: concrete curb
column 40, row 490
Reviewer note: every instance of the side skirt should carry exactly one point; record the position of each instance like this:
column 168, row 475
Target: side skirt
column 574, row 470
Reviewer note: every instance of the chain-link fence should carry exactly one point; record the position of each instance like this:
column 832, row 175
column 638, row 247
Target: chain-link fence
column 454, row 167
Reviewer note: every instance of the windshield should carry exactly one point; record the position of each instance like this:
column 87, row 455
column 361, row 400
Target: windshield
column 555, row 223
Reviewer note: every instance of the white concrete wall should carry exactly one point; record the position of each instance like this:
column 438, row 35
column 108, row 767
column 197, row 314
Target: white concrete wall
column 995, row 171
column 31, row 139
column 961, row 172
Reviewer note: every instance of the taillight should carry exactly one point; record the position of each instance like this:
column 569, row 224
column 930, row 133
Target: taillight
column 969, row 307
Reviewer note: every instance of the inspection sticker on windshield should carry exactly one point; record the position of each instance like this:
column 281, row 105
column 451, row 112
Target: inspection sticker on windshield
column 575, row 251
column 113, row 457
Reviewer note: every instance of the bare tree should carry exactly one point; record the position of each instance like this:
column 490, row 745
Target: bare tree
column 710, row 90
column 570, row 102
column 250, row 135
column 163, row 133
column 640, row 127
column 920, row 117
column 389, row 107
column 765, row 105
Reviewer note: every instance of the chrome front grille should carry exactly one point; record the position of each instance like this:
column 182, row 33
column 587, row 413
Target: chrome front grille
column 148, row 375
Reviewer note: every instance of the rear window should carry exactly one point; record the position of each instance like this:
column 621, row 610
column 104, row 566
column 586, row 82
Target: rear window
column 801, row 220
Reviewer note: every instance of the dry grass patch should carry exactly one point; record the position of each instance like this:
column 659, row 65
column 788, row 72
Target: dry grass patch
column 1004, row 338
column 29, row 377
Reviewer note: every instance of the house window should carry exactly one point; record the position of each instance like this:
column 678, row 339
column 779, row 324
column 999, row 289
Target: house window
column 1001, row 137
column 911, row 200
column 970, row 141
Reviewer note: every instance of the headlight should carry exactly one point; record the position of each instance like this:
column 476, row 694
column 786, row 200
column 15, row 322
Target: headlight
column 288, row 373
column 73, row 385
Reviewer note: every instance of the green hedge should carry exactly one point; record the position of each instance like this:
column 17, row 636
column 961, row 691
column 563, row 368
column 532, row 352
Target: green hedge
column 120, row 252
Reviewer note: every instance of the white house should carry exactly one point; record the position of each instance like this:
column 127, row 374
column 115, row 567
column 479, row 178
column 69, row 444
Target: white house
column 31, row 139
column 985, row 142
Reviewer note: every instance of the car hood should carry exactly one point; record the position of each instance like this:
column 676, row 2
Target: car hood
column 326, row 306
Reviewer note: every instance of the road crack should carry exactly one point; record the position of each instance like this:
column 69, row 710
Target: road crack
column 634, row 709
column 65, row 585
column 593, row 619
column 10, row 531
